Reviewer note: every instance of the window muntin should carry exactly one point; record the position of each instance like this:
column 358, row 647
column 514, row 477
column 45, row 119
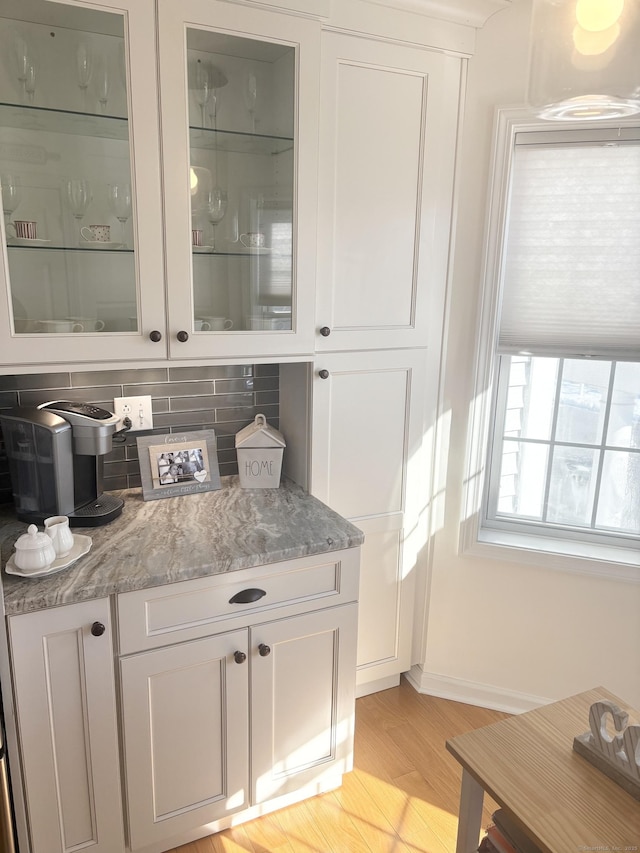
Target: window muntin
column 566, row 447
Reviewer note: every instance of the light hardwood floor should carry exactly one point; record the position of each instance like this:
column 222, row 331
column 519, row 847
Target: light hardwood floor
column 402, row 796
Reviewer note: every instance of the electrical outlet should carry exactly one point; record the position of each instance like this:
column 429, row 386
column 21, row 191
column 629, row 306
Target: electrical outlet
column 137, row 409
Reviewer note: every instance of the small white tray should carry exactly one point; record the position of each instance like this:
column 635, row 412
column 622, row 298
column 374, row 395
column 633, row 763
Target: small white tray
column 81, row 546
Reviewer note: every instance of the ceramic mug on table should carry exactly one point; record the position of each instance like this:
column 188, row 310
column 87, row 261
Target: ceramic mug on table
column 96, row 233
column 253, row 240
column 217, row 324
column 57, row 529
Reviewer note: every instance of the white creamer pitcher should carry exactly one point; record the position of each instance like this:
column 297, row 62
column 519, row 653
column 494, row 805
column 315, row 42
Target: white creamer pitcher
column 57, row 529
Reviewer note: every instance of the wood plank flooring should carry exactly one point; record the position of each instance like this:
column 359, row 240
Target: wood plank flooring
column 402, row 796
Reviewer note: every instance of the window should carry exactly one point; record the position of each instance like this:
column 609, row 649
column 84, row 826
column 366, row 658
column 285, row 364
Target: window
column 563, row 459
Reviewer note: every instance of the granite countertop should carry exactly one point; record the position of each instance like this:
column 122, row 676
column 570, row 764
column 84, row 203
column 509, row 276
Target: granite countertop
column 174, row 539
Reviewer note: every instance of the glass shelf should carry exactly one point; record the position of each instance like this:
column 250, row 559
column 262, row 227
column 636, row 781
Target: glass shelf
column 205, row 138
column 44, row 119
column 38, row 248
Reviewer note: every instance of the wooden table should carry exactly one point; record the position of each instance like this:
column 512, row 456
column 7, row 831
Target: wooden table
column 528, row 765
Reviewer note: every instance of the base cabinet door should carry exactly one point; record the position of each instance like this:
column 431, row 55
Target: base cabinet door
column 65, row 702
column 185, row 720
column 302, row 701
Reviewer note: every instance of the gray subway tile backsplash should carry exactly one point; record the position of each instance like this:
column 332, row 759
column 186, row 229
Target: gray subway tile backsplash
column 224, row 398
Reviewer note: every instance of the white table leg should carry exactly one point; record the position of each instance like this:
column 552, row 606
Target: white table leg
column 470, row 816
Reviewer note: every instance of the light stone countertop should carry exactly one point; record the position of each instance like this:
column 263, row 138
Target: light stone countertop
column 174, row 539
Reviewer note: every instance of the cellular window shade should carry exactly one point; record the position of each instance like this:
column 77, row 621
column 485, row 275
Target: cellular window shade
column 571, row 265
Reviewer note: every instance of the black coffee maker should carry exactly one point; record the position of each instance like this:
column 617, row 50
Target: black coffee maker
column 56, row 459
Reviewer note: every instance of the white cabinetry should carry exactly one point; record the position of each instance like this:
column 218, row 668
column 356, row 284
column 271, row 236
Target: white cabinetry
column 243, row 717
column 67, row 726
column 370, row 465
column 387, row 151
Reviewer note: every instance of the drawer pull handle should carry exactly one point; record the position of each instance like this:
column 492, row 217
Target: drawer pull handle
column 98, row 629
column 239, row 657
column 247, row 596
column 264, row 650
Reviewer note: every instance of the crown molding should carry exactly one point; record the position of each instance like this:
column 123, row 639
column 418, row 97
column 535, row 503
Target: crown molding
column 474, row 13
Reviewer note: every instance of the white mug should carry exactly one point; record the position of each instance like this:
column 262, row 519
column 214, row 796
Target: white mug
column 201, row 325
column 253, row 240
column 89, row 324
column 96, row 233
column 57, row 529
column 218, row 324
column 49, row 326
column 196, row 237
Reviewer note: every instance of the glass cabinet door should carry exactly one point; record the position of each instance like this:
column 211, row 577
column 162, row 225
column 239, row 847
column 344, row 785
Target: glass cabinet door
column 236, row 220
column 73, row 229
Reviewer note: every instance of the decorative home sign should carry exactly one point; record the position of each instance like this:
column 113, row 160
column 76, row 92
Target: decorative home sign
column 178, row 464
column 259, row 448
column 616, row 756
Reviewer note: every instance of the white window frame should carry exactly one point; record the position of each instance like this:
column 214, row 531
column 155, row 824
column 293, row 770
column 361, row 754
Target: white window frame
column 477, row 538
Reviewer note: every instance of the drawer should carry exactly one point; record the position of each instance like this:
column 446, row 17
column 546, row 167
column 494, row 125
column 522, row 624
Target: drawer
column 187, row 610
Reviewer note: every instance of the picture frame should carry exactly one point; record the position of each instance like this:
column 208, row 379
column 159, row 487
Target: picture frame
column 178, row 463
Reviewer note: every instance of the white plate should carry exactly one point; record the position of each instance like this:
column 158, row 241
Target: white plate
column 202, row 248
column 253, row 250
column 100, row 244
column 27, row 241
column 81, row 546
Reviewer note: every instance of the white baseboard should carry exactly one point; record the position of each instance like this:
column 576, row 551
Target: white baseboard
column 377, row 685
column 473, row 693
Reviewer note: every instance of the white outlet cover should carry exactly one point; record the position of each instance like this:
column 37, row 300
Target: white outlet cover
column 137, row 409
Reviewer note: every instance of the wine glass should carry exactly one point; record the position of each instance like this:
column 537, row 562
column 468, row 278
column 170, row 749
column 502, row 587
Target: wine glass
column 250, row 93
column 120, row 203
column 103, row 82
column 25, row 66
column 11, row 195
column 84, row 70
column 30, row 81
column 79, row 197
column 216, row 207
column 202, row 82
column 218, row 79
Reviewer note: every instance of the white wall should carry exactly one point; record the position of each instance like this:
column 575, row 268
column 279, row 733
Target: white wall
column 499, row 633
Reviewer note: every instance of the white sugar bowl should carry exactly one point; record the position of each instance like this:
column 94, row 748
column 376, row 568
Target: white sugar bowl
column 34, row 551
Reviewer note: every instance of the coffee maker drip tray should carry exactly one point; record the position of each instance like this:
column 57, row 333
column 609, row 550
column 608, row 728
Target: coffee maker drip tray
column 97, row 512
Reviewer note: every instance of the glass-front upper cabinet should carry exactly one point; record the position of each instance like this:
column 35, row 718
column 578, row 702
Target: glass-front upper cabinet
column 79, row 157
column 239, row 92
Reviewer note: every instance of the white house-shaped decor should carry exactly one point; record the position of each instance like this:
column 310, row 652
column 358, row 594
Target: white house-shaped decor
column 259, row 448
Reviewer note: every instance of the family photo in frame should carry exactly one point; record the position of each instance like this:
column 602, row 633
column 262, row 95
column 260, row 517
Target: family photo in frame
column 178, row 464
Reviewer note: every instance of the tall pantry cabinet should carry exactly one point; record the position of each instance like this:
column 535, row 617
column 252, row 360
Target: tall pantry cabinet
column 388, row 134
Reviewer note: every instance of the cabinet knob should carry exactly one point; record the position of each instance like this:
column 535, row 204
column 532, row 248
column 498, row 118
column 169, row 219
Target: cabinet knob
column 264, row 650
column 98, row 629
column 239, row 657
column 325, row 331
column 183, row 337
column 155, row 336
column 323, row 374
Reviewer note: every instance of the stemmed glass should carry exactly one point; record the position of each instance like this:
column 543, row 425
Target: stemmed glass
column 202, row 88
column 79, row 197
column 250, row 97
column 11, row 195
column 120, row 203
column 103, row 83
column 25, row 67
column 84, row 70
column 216, row 207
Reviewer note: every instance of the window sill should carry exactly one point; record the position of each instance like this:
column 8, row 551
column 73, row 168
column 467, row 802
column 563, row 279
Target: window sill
column 582, row 558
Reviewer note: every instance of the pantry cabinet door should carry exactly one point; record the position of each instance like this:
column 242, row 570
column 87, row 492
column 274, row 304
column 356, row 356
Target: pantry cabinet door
column 302, row 702
column 371, row 460
column 388, row 138
column 185, row 721
column 66, row 711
